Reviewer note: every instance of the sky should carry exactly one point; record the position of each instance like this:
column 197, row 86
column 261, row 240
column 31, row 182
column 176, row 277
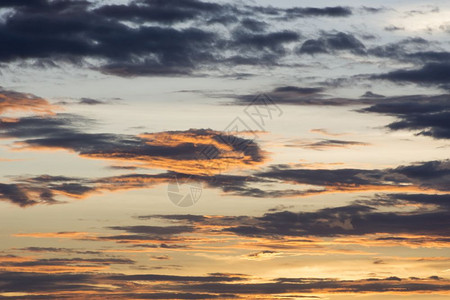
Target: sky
column 188, row 149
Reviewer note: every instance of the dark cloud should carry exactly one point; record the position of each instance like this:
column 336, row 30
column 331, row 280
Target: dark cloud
column 429, row 56
column 436, row 125
column 351, row 220
column 19, row 3
column 46, row 189
column 332, row 42
column 212, row 286
column 162, row 11
column 308, row 285
column 28, row 191
column 336, row 11
column 299, row 90
column 140, row 38
column 254, row 25
column 430, row 74
column 373, row 9
column 432, row 175
column 369, row 94
column 414, row 50
column 75, row 33
column 15, row 194
column 186, row 218
column 427, row 115
column 298, row 95
column 154, row 230
column 267, row 42
column 42, row 5
column 440, row 201
column 90, row 101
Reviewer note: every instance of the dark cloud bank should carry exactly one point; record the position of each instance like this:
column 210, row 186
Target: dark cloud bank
column 212, row 286
column 75, row 30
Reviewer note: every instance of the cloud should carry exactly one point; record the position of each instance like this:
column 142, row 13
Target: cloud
column 188, row 151
column 336, row 11
column 425, row 175
column 325, row 132
column 429, row 74
column 429, row 177
column 299, row 91
column 299, row 95
column 373, row 10
column 263, row 42
column 173, row 278
column 332, row 42
column 347, row 220
column 262, row 255
column 393, row 28
column 420, row 200
column 73, row 35
column 319, row 285
column 24, row 195
column 369, row 94
column 162, row 12
column 167, row 230
column 254, row 25
column 90, row 101
column 365, row 222
column 427, row 115
column 109, row 37
column 325, row 144
column 211, row 286
column 56, row 265
column 39, row 5
column 141, row 37
column 56, row 250
column 12, row 101
column 415, row 50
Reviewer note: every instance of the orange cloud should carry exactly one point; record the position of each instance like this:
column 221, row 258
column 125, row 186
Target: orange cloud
column 212, row 154
column 11, row 101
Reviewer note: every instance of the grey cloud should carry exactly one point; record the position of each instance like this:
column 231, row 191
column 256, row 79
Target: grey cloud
column 73, row 31
column 427, row 115
column 331, row 42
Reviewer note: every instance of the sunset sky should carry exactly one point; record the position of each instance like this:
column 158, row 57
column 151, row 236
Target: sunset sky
column 186, row 149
